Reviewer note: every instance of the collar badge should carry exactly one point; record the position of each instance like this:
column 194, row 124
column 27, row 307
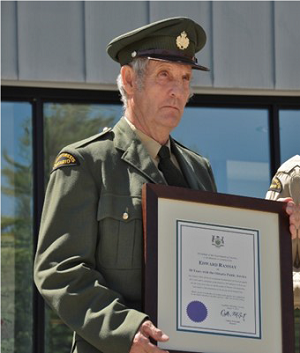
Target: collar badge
column 182, row 41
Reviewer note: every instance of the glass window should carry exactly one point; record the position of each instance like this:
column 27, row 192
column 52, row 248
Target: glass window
column 65, row 124
column 289, row 123
column 236, row 141
column 16, row 226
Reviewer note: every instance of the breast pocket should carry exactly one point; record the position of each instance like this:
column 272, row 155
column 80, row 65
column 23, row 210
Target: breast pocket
column 120, row 232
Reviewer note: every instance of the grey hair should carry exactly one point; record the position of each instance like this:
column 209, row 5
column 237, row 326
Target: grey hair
column 139, row 67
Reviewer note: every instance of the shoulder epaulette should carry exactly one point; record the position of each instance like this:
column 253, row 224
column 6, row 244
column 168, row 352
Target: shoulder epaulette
column 90, row 139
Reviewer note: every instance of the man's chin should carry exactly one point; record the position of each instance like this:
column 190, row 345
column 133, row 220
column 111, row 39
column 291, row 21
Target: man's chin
column 172, row 121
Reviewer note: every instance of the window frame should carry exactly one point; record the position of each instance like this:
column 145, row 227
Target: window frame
column 38, row 96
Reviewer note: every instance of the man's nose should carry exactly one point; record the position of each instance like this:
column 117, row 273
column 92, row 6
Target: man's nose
column 177, row 89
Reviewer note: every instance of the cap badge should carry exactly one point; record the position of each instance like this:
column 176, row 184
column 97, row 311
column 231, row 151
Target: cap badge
column 182, row 41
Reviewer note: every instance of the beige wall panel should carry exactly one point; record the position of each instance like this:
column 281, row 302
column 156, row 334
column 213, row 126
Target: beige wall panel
column 9, row 62
column 105, row 20
column 51, row 41
column 287, row 44
column 199, row 11
column 243, row 44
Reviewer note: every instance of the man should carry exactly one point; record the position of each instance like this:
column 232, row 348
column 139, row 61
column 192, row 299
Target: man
column 286, row 186
column 89, row 256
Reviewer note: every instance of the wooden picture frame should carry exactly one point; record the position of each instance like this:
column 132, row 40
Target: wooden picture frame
column 244, row 238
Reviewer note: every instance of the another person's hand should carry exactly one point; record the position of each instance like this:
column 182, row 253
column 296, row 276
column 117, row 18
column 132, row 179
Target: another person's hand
column 293, row 211
column 141, row 342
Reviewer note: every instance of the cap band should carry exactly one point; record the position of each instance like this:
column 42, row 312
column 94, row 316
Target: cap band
column 164, row 52
column 169, row 55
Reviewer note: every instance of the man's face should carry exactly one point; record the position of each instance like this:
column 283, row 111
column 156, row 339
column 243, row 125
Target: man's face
column 160, row 103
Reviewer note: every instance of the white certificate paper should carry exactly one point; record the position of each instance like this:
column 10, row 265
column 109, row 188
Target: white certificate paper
column 218, row 280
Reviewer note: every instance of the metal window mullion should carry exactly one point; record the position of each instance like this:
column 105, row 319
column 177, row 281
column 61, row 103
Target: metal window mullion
column 274, row 133
column 38, row 199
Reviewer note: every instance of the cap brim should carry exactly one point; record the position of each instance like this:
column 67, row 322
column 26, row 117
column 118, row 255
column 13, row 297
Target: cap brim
column 180, row 60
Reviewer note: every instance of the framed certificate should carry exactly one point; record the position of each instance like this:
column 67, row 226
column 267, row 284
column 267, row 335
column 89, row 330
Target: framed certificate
column 217, row 271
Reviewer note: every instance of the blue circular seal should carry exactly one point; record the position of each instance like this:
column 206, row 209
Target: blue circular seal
column 196, row 311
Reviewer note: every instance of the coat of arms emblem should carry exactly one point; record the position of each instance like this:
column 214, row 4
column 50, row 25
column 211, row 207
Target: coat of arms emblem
column 182, row 41
column 217, row 241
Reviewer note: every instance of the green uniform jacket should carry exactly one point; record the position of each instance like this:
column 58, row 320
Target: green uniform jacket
column 89, row 257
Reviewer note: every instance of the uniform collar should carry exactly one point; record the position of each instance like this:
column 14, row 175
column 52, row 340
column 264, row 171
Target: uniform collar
column 135, row 153
column 150, row 144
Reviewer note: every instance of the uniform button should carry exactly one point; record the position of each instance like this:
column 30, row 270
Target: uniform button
column 125, row 216
column 105, row 128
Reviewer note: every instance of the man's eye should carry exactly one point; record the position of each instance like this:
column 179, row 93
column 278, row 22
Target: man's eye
column 187, row 78
column 163, row 74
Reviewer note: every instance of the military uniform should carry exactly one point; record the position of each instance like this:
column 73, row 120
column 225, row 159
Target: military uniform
column 89, row 256
column 286, row 183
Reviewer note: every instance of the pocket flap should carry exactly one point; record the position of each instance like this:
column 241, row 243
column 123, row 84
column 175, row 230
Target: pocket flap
column 123, row 208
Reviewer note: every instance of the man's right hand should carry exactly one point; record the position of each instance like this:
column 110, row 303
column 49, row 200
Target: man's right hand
column 141, row 342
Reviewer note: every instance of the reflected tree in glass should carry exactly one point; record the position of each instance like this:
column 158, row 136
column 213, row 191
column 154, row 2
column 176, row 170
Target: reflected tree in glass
column 68, row 123
column 16, row 237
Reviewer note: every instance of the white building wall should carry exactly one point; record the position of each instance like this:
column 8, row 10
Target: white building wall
column 253, row 46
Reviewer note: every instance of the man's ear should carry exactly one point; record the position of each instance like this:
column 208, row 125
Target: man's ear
column 128, row 79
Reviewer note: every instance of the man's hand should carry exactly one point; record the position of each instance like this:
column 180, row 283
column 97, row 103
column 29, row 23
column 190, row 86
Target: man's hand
column 141, row 342
column 293, row 211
